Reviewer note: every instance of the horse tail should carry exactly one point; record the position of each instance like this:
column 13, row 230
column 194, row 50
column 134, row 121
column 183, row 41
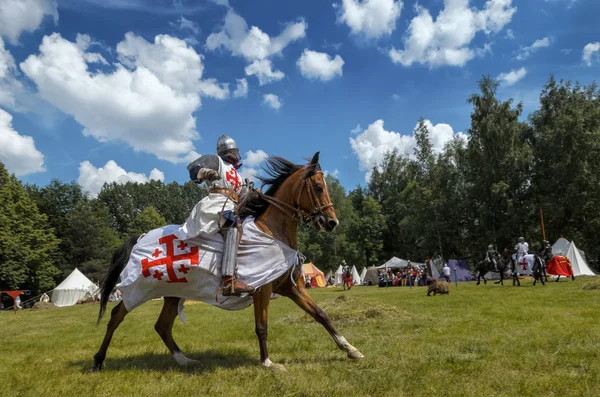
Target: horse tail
column 119, row 260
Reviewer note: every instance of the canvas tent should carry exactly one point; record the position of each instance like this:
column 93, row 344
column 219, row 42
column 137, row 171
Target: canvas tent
column 73, row 289
column 355, row 276
column 317, row 277
column 564, row 247
column 363, row 274
column 338, row 276
column 371, row 275
column 397, row 263
column 460, row 268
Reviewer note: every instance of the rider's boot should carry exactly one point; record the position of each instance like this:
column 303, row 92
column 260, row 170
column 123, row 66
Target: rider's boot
column 231, row 286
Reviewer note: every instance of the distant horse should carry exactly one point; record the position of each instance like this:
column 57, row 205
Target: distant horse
column 539, row 270
column 296, row 193
column 512, row 261
column 347, row 279
column 485, row 266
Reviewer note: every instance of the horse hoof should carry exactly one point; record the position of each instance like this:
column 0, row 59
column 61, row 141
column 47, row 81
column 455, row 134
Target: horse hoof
column 355, row 355
column 273, row 367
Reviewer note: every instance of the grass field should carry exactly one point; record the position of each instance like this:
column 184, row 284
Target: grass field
column 478, row 341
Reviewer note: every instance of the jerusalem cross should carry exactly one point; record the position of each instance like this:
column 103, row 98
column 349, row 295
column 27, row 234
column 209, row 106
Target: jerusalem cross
column 169, row 259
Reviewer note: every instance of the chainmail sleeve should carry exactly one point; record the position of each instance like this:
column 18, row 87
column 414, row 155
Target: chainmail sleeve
column 210, row 161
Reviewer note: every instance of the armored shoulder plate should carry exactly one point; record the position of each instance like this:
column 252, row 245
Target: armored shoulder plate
column 207, row 161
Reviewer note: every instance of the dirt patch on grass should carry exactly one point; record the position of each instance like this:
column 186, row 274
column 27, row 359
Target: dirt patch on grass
column 44, row 306
column 591, row 285
column 346, row 310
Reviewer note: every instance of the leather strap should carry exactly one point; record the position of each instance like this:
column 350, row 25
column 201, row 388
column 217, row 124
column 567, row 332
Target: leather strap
column 232, row 195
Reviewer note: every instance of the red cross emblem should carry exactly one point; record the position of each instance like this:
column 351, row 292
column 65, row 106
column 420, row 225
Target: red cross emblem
column 234, row 179
column 169, row 259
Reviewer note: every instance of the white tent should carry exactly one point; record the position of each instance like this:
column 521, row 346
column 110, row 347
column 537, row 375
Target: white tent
column 73, row 289
column 338, row 276
column 580, row 266
column 327, row 277
column 363, row 274
column 563, row 247
column 355, row 276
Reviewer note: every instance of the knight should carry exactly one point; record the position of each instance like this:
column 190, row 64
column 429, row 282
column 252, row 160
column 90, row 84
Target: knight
column 522, row 249
column 492, row 256
column 546, row 251
column 216, row 213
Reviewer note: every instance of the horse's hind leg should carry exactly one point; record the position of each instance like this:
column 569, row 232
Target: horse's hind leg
column 262, row 298
column 299, row 295
column 164, row 328
column 117, row 315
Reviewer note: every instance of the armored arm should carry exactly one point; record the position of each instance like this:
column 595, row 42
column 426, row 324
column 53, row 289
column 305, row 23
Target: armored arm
column 204, row 168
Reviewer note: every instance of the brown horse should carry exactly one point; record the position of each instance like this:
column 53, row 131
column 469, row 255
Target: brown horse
column 295, row 193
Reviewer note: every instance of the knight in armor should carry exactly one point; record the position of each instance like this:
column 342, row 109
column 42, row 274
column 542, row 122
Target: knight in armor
column 492, row 256
column 546, row 251
column 216, row 213
column 522, row 248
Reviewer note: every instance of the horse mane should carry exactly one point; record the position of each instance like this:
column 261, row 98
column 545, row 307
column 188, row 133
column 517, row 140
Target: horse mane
column 277, row 170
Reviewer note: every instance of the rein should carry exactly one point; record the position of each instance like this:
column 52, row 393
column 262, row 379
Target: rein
column 296, row 211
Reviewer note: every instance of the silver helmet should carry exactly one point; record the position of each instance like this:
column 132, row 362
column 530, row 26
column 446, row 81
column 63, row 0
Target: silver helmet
column 225, row 143
column 521, row 239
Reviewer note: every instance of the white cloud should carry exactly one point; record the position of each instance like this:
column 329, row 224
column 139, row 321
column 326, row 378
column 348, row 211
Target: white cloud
column 513, row 76
column 396, row 97
column 184, row 24
column 262, row 68
column 18, row 152
column 588, row 52
column 148, row 101
column 241, row 89
column 373, row 143
column 18, row 16
column 92, row 178
column 254, row 45
column 251, row 163
column 446, row 40
column 509, row 34
column 335, row 173
column 9, row 85
column 525, row 52
column 272, row 100
column 255, row 158
column 318, row 65
column 373, row 18
column 356, row 129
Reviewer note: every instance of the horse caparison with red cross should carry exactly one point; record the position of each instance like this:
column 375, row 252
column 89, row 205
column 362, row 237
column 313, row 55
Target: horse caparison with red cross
column 296, row 193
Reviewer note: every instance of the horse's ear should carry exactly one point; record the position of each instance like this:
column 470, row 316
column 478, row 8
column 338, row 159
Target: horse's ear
column 315, row 159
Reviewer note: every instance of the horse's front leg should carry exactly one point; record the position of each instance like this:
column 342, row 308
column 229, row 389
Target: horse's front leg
column 298, row 294
column 262, row 298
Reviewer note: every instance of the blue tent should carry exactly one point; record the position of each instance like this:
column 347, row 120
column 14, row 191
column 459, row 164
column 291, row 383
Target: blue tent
column 463, row 272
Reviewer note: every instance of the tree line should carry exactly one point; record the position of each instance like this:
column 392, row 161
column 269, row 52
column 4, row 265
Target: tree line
column 487, row 189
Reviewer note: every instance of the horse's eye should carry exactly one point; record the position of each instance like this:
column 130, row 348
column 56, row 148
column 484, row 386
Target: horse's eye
column 319, row 188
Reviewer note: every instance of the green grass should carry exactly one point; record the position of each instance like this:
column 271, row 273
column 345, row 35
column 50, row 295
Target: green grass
column 478, row 341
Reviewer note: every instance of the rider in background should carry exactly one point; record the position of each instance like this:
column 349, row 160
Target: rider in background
column 492, row 256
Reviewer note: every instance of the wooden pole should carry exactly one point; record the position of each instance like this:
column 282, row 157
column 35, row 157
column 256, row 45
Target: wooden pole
column 543, row 230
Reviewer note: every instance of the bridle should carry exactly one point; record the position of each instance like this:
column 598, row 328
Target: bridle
column 295, row 211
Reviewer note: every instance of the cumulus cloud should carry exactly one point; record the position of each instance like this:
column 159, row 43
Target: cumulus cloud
column 184, row 25
column 18, row 16
column 447, row 39
column 254, row 45
column 371, row 145
column 272, row 100
column 148, row 101
column 356, row 129
column 318, row 65
column 92, row 179
column 589, row 52
column 18, row 152
column 335, row 173
column 251, row 163
column 513, row 76
column 525, row 52
column 372, row 18
column 9, row 85
column 263, row 69
column 241, row 89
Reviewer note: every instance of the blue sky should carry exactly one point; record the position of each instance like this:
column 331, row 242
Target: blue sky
column 105, row 90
